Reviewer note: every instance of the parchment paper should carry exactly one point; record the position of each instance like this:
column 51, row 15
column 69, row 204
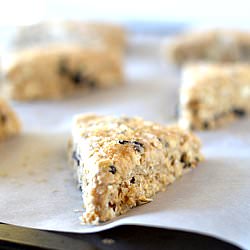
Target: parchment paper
column 37, row 188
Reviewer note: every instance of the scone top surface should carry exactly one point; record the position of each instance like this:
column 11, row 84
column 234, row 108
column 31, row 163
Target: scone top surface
column 203, row 73
column 119, row 130
column 222, row 36
column 137, row 135
column 112, row 35
column 56, row 50
column 88, row 34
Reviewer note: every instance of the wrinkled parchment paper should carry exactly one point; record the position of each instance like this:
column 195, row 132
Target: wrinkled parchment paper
column 37, row 188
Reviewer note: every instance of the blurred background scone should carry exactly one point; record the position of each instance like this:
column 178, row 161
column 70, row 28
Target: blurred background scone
column 212, row 95
column 101, row 34
column 9, row 122
column 209, row 45
column 52, row 60
column 54, row 72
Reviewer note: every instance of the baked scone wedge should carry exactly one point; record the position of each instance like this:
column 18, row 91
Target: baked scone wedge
column 212, row 95
column 94, row 34
column 9, row 122
column 56, row 71
column 122, row 162
column 111, row 35
column 210, row 45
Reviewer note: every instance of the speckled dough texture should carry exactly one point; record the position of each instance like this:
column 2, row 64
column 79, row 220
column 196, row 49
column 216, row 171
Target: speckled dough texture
column 211, row 45
column 122, row 162
column 212, row 95
column 9, row 122
column 54, row 72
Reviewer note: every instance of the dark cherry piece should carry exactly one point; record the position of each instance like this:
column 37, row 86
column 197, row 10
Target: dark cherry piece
column 112, row 169
column 239, row 112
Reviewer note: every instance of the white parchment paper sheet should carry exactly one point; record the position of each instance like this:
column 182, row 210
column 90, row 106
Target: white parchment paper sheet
column 37, row 188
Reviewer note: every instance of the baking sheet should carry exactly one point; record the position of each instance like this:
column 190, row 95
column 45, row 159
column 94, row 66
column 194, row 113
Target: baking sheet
column 37, row 188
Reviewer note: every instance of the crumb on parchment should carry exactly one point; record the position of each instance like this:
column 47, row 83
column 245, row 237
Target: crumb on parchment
column 108, row 241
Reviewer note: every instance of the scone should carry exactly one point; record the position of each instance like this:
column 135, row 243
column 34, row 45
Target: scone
column 122, row 162
column 54, row 72
column 212, row 46
column 9, row 123
column 93, row 34
column 112, row 35
column 212, row 95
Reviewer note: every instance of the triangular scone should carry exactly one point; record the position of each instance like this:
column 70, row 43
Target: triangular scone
column 9, row 123
column 57, row 71
column 122, row 162
column 213, row 95
column 216, row 45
